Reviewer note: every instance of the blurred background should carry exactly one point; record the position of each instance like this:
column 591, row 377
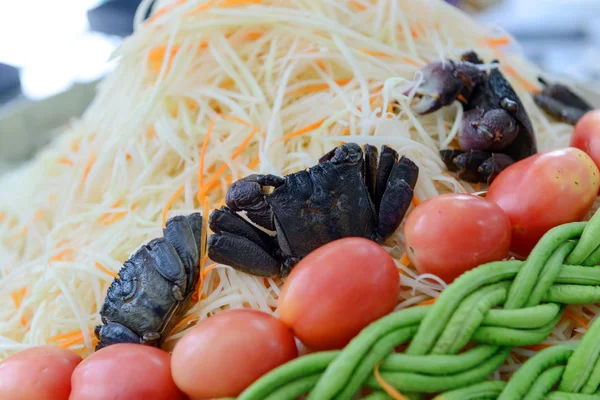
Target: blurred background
column 52, row 54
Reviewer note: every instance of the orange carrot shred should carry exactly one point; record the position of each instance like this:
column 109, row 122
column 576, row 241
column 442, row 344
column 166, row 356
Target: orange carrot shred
column 237, row 3
column 411, row 61
column 2, row 216
column 461, row 98
column 201, row 8
column 358, row 5
column 106, row 270
column 302, row 131
column 66, row 161
column 316, row 88
column 88, row 167
column 23, row 320
column 38, row 214
column 570, row 314
column 405, row 260
column 165, row 10
column 428, row 302
column 254, row 162
column 114, row 218
column 375, row 53
column 415, row 201
column 75, row 340
column 498, row 41
column 169, row 203
column 389, row 389
column 18, row 296
column 321, row 65
column 128, row 157
column 538, row 347
column 64, row 336
column 66, row 254
column 253, row 35
column 526, row 84
column 187, row 320
column 208, row 269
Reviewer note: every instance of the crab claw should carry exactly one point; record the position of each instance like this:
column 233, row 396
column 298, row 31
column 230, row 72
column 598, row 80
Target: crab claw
column 560, row 102
column 487, row 130
column 491, row 167
column 442, row 84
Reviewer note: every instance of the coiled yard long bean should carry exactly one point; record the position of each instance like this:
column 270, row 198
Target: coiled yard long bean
column 496, row 306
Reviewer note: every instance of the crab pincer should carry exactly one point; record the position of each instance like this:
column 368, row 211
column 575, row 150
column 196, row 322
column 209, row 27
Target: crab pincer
column 561, row 102
column 154, row 286
column 349, row 193
column 495, row 128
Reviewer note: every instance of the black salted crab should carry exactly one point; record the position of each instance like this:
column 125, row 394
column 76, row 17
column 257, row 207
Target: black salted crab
column 154, row 286
column 495, row 130
column 347, row 194
column 561, row 103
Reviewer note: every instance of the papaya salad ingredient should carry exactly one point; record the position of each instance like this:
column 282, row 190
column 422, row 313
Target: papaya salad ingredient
column 40, row 373
column 337, row 290
column 224, row 354
column 544, row 191
column 349, row 193
column 453, row 233
column 586, row 135
column 125, row 371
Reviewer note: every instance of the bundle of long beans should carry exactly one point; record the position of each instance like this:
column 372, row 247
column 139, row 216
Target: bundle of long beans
column 495, row 306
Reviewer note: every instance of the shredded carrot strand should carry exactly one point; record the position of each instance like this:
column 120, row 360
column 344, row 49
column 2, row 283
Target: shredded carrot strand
column 106, row 270
column 66, row 161
column 237, row 3
column 215, row 184
column 109, row 214
column 18, row 296
column 358, row 5
column 64, row 336
column 461, row 98
column 208, row 269
column 75, row 340
column 169, row 203
column 526, row 84
column 375, row 53
column 254, row 162
column 165, row 10
column 498, row 41
column 538, row 347
column 75, row 146
column 128, row 157
column 223, row 167
column 570, row 314
column 321, row 65
column 240, row 121
column 201, row 8
column 23, row 320
column 412, row 62
column 38, row 214
column 63, row 255
column 151, row 133
column 415, row 200
column 428, row 302
column 88, row 167
column 254, row 35
column 316, row 88
column 389, row 389
column 2, row 216
column 115, row 218
column 405, row 260
column 302, row 131
column 227, row 84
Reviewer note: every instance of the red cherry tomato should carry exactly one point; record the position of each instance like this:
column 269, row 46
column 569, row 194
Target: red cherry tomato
column 125, row 371
column 337, row 290
column 450, row 234
column 40, row 373
column 586, row 135
column 224, row 354
column 544, row 191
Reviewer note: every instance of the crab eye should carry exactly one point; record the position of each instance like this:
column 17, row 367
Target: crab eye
column 509, row 105
column 128, row 289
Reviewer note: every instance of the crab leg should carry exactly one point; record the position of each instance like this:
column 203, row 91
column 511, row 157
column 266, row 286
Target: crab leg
column 397, row 197
column 387, row 160
column 237, row 243
column 114, row 333
column 248, row 195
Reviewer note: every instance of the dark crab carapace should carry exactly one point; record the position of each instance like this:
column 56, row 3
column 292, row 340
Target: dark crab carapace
column 154, row 286
column 561, row 102
column 349, row 193
column 495, row 129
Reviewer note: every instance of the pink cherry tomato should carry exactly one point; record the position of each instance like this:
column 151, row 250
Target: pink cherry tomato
column 40, row 373
column 223, row 355
column 337, row 290
column 450, row 234
column 125, row 371
column 586, row 135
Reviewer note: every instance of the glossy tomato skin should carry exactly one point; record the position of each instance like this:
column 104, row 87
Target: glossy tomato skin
column 586, row 135
column 544, row 191
column 226, row 353
column 450, row 234
column 337, row 290
column 40, row 373
column 125, row 371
